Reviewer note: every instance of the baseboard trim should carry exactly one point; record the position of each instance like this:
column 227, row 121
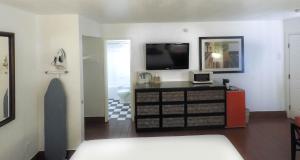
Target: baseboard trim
column 269, row 114
column 41, row 155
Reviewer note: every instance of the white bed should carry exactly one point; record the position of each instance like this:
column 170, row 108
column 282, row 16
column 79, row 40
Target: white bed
column 204, row 147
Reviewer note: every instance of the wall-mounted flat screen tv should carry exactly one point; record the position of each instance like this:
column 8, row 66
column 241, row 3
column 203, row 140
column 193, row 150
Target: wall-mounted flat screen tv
column 165, row 56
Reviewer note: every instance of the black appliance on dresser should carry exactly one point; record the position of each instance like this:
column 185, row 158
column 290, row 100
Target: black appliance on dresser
column 179, row 105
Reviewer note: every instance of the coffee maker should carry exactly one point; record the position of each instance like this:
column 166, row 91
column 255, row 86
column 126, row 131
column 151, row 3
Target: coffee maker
column 226, row 83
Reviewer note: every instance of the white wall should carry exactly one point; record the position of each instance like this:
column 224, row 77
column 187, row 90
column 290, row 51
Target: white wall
column 263, row 78
column 291, row 26
column 93, row 77
column 38, row 38
column 18, row 139
column 55, row 32
column 89, row 27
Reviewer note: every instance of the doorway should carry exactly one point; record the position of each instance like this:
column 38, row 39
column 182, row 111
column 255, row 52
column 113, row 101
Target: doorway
column 294, row 75
column 93, row 84
column 118, row 80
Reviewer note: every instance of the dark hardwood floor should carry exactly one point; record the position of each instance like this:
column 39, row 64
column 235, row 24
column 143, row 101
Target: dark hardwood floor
column 267, row 136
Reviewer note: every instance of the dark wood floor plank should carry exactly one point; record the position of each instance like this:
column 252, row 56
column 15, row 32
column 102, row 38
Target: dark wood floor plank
column 266, row 137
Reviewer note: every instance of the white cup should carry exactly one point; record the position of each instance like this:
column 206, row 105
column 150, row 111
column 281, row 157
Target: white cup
column 227, row 85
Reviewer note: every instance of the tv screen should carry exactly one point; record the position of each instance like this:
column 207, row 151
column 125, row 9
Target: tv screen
column 167, row 56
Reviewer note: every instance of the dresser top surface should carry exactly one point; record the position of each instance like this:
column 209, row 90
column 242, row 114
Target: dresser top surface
column 177, row 84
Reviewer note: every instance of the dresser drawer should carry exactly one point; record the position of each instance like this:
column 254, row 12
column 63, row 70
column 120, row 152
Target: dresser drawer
column 143, row 110
column 173, row 96
column 147, row 97
column 205, row 108
column 205, row 95
column 173, row 109
column 173, row 122
column 205, row 121
column 148, row 123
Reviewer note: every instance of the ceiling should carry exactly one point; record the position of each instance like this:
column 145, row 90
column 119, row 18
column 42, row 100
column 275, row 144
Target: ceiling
column 117, row 11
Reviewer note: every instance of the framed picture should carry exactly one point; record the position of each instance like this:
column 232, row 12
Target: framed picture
column 222, row 54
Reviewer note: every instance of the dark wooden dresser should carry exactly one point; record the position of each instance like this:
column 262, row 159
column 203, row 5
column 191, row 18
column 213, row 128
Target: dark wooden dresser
column 179, row 105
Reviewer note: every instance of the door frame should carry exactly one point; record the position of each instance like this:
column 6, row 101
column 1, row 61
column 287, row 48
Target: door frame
column 287, row 78
column 82, row 100
column 106, row 76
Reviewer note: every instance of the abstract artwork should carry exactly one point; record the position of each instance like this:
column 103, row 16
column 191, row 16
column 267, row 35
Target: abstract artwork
column 222, row 54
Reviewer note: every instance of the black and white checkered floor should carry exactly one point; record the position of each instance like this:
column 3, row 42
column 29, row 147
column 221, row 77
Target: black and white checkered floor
column 118, row 110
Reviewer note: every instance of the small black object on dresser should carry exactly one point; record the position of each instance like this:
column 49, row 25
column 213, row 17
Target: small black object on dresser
column 179, row 105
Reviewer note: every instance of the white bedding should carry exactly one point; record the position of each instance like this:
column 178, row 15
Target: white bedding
column 203, row 147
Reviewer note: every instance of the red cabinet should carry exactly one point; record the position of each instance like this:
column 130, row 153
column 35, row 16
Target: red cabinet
column 236, row 108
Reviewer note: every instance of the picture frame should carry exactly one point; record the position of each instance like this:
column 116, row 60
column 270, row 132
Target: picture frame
column 221, row 54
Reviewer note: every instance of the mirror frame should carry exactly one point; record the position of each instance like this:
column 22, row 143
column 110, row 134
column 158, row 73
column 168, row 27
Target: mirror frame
column 11, row 38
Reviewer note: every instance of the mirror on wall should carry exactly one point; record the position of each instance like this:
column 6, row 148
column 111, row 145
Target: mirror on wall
column 7, row 78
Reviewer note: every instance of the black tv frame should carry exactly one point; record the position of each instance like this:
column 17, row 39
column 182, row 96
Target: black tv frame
column 157, row 68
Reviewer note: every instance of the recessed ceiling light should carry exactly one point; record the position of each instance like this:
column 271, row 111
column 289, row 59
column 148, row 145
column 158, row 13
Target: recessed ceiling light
column 297, row 10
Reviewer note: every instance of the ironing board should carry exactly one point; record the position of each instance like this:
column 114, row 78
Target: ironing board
column 55, row 121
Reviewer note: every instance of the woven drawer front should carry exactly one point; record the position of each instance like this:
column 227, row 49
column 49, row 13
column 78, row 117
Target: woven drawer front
column 205, row 121
column 205, row 95
column 173, row 96
column 147, row 110
column 173, row 109
column 173, row 122
column 206, row 108
column 147, row 96
column 148, row 123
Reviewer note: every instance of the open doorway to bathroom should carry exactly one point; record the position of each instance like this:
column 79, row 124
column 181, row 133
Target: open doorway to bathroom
column 118, row 80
